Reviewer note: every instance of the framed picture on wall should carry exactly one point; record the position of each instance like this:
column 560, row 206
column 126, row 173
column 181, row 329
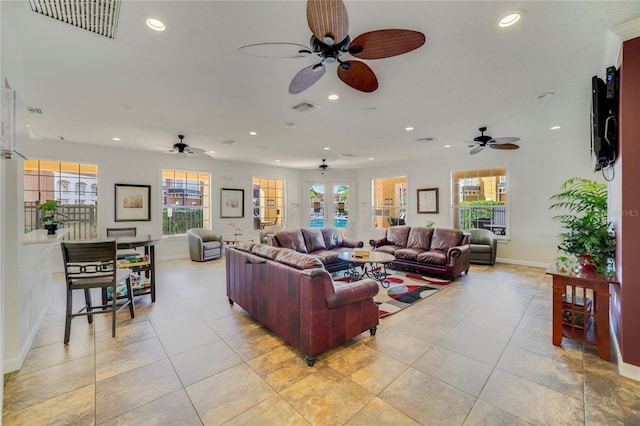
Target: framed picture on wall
column 132, row 202
column 231, row 203
column 428, row 200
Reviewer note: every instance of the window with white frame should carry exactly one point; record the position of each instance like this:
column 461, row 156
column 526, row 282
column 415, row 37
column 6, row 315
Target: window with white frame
column 389, row 206
column 479, row 199
column 65, row 182
column 185, row 201
column 268, row 202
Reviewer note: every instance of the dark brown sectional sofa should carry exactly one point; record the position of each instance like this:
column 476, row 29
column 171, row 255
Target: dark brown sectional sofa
column 294, row 296
column 325, row 244
column 438, row 251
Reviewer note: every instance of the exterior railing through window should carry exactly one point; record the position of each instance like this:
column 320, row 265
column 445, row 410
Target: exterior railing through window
column 485, row 216
column 80, row 220
column 178, row 219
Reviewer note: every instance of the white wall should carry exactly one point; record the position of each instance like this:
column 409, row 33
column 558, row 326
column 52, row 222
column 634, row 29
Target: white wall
column 535, row 172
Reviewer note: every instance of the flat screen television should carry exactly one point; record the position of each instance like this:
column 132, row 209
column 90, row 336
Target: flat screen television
column 604, row 120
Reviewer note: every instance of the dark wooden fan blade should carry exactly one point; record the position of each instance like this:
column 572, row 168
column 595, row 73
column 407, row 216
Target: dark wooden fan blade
column 306, row 77
column 504, row 146
column 328, row 18
column 385, row 43
column 500, row 141
column 359, row 76
column 276, row 50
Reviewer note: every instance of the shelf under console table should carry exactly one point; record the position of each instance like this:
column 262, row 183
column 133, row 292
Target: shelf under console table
column 581, row 308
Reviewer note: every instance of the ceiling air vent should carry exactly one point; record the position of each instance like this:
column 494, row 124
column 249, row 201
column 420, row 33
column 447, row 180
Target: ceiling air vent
column 304, row 106
column 97, row 16
column 34, row 110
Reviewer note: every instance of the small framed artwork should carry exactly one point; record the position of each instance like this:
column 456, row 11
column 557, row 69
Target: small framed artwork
column 428, row 200
column 132, row 202
column 231, row 202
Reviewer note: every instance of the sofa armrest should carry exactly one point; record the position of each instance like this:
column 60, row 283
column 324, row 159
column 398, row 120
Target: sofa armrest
column 354, row 292
column 378, row 242
column 348, row 242
column 271, row 240
column 195, row 246
column 457, row 251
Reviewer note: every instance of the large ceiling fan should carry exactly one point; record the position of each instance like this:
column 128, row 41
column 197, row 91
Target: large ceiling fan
column 482, row 141
column 329, row 23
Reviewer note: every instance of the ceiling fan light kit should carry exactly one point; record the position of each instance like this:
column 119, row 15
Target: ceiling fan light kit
column 329, row 23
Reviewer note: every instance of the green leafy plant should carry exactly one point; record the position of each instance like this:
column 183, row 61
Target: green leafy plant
column 429, row 224
column 589, row 233
column 49, row 215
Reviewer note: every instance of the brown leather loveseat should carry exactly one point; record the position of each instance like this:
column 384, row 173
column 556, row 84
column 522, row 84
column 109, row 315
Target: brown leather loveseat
column 438, row 251
column 294, row 296
column 325, row 244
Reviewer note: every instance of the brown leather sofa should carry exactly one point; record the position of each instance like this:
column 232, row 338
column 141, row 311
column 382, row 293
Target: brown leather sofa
column 438, row 251
column 294, row 296
column 325, row 244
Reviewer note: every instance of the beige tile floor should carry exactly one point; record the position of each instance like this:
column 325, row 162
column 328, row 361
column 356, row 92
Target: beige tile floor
column 477, row 353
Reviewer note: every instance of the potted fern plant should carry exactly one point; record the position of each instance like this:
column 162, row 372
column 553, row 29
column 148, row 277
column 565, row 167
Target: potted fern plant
column 49, row 215
column 589, row 233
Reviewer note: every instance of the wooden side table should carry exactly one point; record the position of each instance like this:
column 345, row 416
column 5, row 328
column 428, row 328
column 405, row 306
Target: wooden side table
column 581, row 308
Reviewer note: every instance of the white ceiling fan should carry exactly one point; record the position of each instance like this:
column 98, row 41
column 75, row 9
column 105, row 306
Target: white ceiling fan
column 183, row 150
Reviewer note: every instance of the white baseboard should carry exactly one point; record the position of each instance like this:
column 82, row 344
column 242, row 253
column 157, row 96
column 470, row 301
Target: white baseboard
column 627, row 370
column 522, row 262
column 15, row 363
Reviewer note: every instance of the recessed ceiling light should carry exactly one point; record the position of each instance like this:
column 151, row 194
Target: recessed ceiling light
column 116, row 139
column 447, row 146
column 326, row 148
column 555, row 127
column 155, row 24
column 277, row 161
column 545, row 95
column 333, row 97
column 509, row 20
column 253, row 133
column 408, row 129
column 371, row 158
column 212, row 152
column 26, row 125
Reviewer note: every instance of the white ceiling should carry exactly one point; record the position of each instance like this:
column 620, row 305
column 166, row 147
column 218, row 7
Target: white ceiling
column 147, row 87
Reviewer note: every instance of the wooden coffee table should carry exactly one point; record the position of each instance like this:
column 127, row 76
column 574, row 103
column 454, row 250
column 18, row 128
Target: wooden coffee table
column 374, row 266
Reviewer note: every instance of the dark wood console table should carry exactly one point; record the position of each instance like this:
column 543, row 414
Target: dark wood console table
column 581, row 308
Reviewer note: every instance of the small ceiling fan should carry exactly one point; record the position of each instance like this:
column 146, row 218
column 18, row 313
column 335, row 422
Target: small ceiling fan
column 482, row 141
column 323, row 167
column 184, row 150
column 329, row 23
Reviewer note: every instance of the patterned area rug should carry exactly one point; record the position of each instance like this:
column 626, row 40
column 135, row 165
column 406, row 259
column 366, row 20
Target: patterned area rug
column 404, row 289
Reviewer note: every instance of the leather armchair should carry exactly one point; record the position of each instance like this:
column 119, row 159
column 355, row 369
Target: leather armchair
column 204, row 244
column 483, row 246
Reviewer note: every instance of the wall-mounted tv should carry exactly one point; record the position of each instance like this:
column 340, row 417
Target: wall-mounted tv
column 604, row 119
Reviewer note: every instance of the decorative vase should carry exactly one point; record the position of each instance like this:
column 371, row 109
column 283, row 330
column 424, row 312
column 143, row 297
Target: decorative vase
column 51, row 228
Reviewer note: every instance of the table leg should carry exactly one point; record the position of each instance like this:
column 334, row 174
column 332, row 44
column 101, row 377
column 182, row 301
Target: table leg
column 152, row 261
column 602, row 324
column 352, row 273
column 379, row 274
column 558, row 291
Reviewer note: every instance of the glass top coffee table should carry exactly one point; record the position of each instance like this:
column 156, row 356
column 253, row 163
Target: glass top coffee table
column 372, row 266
